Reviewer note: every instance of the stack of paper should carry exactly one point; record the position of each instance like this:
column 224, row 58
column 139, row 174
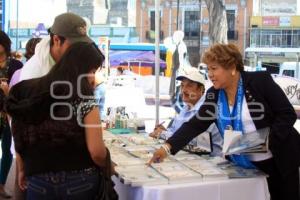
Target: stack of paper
column 123, row 158
column 185, row 157
column 176, row 172
column 139, row 139
column 234, row 171
column 140, row 175
column 208, row 170
column 254, row 142
column 142, row 152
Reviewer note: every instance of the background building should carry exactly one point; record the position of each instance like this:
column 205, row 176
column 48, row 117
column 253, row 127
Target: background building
column 193, row 20
column 275, row 23
column 128, row 21
column 274, row 33
column 115, row 19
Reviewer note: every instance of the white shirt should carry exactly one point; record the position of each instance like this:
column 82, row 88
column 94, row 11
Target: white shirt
column 40, row 63
column 185, row 115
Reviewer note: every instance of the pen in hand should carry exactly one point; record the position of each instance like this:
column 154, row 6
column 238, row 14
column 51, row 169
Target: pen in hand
column 160, row 125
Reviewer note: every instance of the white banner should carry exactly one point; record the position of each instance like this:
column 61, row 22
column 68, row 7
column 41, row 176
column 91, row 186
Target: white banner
column 291, row 88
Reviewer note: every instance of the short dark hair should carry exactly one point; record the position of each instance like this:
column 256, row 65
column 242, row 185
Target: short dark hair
column 120, row 69
column 80, row 58
column 61, row 38
column 5, row 42
column 30, row 47
column 199, row 85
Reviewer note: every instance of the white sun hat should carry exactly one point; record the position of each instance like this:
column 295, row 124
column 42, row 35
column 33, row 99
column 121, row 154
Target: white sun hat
column 192, row 74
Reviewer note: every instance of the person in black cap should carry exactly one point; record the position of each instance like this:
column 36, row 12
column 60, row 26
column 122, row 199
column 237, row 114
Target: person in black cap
column 68, row 28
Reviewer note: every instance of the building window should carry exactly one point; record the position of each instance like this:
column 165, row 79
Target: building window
column 275, row 38
column 152, row 20
column 230, row 14
column 286, row 38
column 296, row 38
column 191, row 24
column 289, row 72
column 231, row 33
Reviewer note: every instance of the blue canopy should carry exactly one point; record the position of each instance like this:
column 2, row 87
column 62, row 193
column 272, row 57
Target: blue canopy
column 40, row 30
column 136, row 58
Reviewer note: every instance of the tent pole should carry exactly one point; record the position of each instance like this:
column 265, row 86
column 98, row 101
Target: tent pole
column 157, row 60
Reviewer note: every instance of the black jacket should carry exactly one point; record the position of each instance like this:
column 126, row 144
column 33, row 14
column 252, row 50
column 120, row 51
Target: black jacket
column 268, row 106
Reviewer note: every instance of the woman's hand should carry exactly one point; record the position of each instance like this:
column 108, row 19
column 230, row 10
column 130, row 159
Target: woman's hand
column 22, row 180
column 4, row 86
column 20, row 172
column 158, row 156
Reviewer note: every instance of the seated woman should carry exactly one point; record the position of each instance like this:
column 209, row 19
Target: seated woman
column 56, row 128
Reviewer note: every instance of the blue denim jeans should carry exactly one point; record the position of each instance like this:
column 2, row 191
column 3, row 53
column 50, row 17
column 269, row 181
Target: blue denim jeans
column 63, row 185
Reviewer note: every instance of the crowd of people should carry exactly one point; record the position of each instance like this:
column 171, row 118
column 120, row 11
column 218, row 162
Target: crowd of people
column 54, row 104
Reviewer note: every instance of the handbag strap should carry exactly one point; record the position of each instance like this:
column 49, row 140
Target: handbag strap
column 106, row 170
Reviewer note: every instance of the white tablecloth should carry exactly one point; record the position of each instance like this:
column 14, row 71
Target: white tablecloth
column 233, row 189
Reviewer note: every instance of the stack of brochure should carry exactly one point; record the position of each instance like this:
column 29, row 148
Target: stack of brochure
column 139, row 139
column 140, row 175
column 142, row 152
column 254, row 142
column 123, row 158
column 185, row 157
column 234, row 171
column 176, row 172
column 208, row 170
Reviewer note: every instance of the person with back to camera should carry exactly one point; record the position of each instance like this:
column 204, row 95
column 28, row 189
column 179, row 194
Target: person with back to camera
column 8, row 66
column 255, row 101
column 68, row 28
column 192, row 88
column 57, row 130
